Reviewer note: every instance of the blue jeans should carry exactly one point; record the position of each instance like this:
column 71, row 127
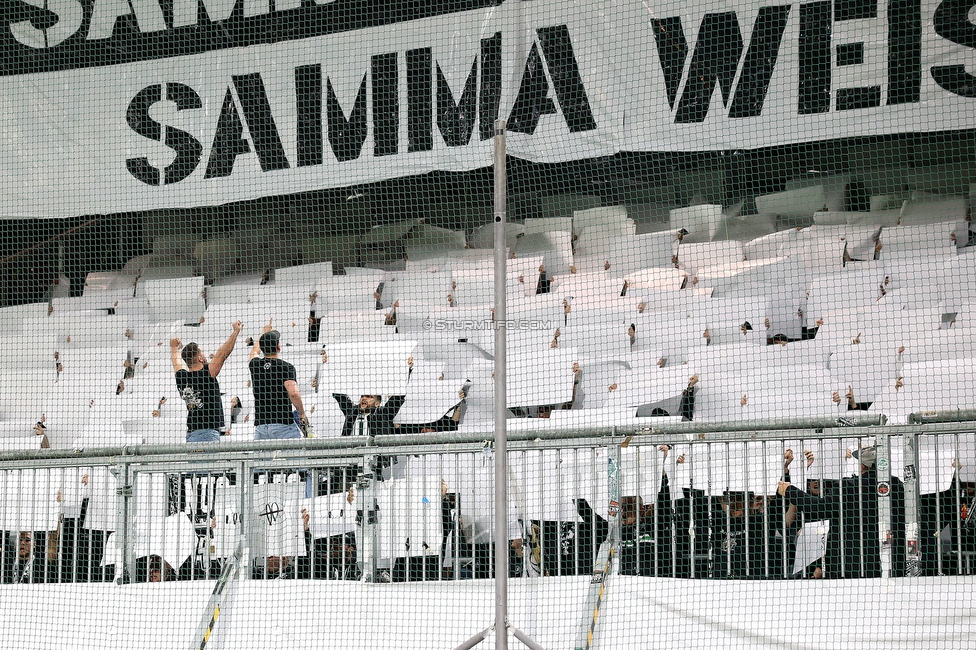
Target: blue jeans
column 277, row 432
column 203, row 435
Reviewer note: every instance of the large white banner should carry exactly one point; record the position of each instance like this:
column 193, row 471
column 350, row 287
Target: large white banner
column 110, row 107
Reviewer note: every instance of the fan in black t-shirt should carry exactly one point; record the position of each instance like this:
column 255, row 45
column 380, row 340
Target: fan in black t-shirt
column 197, row 382
column 275, row 388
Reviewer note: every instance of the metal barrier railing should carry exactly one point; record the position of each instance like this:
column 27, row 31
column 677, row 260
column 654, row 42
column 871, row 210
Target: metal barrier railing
column 864, row 502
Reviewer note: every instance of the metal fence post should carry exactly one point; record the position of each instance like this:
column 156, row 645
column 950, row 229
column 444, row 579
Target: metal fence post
column 246, row 508
column 912, row 551
column 883, row 472
column 124, row 569
column 367, row 521
column 615, row 453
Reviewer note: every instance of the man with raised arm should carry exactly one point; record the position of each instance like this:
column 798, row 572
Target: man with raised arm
column 369, row 418
column 197, row 382
column 853, row 509
column 275, row 386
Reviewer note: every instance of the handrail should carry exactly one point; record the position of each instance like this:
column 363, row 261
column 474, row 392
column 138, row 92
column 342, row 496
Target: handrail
column 677, row 433
column 937, row 417
column 852, row 420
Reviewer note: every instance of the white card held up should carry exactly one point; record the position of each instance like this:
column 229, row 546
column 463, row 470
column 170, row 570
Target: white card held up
column 331, row 515
column 811, row 544
column 471, row 477
column 366, row 368
column 429, row 400
column 172, row 538
column 549, row 481
column 276, row 520
column 640, row 472
column 151, row 502
column 412, row 524
column 75, row 489
column 537, row 379
column 31, row 502
column 102, row 507
column 228, row 523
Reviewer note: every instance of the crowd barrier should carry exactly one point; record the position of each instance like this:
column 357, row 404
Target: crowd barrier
column 865, row 501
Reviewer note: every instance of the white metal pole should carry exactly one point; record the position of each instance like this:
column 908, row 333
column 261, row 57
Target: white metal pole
column 501, row 442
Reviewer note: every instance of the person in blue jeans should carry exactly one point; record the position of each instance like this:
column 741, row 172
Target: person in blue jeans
column 196, row 381
column 275, row 386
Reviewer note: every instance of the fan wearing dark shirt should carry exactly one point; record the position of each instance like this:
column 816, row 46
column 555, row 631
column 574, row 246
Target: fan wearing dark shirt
column 275, row 387
column 197, row 382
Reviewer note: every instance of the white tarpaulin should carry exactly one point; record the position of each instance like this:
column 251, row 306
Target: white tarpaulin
column 905, row 614
column 102, row 111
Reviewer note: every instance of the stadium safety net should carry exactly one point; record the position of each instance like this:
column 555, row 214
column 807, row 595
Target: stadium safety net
column 255, row 257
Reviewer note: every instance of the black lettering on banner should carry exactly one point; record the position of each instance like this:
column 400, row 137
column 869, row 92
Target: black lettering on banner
column 86, row 33
column 853, row 54
column 456, row 121
column 760, row 60
column 420, row 135
column 855, row 9
column 346, row 137
column 904, row 51
column 193, row 12
column 715, row 59
column 188, row 149
column 672, row 50
column 850, row 54
column 852, row 98
column 557, row 47
column 228, row 140
column 308, row 106
column 815, row 60
column 532, row 100
column 137, row 116
column 260, row 122
column 47, row 25
column 386, row 104
column 491, row 85
column 952, row 23
column 107, row 17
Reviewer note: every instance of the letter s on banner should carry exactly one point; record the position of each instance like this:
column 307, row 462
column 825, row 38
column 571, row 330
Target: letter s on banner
column 188, row 149
column 951, row 21
column 70, row 15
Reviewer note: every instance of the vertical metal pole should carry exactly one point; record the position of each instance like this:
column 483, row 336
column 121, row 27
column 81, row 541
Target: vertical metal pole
column 580, row 569
column 691, row 512
column 937, row 440
column 124, row 493
column 245, row 485
column 614, row 454
column 559, row 519
column 77, row 536
column 912, row 559
column 957, row 512
column 883, row 470
column 860, row 519
column 765, row 516
column 843, row 527
column 501, row 439
column 747, row 507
